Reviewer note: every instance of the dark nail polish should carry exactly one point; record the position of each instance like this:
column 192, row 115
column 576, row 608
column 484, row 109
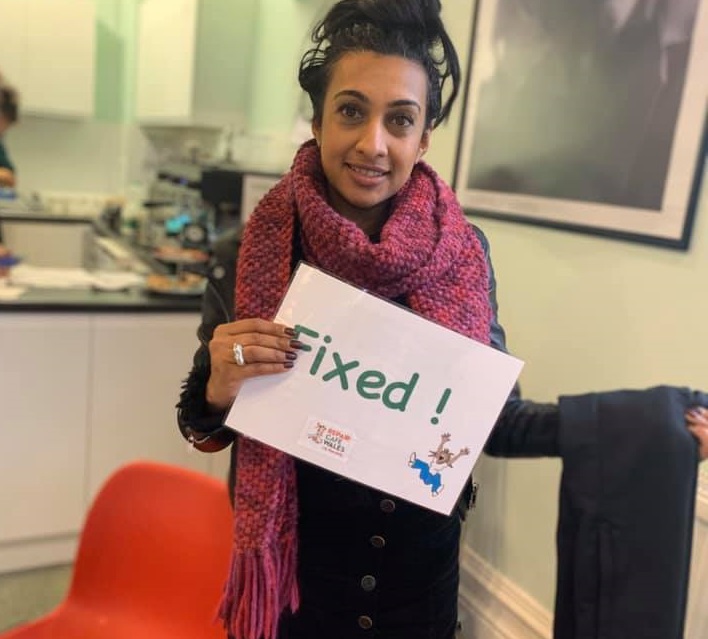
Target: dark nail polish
column 296, row 343
column 290, row 332
column 288, row 364
column 290, row 355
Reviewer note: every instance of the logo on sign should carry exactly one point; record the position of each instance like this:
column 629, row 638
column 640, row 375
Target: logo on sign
column 327, row 438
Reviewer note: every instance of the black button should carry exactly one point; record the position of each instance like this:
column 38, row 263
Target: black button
column 365, row 622
column 368, row 583
column 387, row 505
column 377, row 541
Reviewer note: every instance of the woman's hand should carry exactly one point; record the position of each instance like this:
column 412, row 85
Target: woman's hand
column 697, row 419
column 267, row 348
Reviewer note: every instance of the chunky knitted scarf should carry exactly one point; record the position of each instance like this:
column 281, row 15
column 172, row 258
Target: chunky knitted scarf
column 428, row 253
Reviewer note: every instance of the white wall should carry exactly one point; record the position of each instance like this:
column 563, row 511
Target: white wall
column 67, row 155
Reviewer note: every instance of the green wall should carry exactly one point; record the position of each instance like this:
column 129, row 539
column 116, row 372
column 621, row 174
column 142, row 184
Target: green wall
column 282, row 36
column 116, row 37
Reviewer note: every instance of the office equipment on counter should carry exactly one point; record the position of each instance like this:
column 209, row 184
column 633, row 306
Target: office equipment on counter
column 216, row 197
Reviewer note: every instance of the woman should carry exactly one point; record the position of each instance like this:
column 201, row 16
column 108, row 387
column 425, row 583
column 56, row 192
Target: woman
column 318, row 556
column 9, row 106
column 376, row 85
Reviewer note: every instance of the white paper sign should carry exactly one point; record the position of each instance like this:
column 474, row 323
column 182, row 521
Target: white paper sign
column 384, row 397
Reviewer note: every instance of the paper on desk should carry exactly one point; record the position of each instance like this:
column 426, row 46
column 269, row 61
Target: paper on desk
column 71, row 278
column 384, row 396
column 115, row 280
column 9, row 292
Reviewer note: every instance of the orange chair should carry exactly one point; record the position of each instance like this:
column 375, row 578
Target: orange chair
column 152, row 560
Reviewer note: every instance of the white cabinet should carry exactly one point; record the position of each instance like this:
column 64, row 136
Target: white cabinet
column 195, row 62
column 47, row 50
column 61, row 39
column 138, row 363
column 81, row 395
column 13, row 40
column 44, row 363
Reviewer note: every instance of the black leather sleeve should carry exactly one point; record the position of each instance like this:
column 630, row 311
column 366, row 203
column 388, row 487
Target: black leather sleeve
column 524, row 428
column 193, row 415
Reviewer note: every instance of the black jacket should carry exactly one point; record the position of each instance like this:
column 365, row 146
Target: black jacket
column 626, row 514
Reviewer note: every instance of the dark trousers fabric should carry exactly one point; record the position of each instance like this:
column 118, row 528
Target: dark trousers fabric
column 626, row 514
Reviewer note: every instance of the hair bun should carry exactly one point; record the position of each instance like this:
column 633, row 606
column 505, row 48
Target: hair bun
column 392, row 15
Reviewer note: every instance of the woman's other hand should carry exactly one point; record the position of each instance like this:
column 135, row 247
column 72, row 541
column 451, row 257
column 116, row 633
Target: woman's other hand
column 697, row 419
column 266, row 348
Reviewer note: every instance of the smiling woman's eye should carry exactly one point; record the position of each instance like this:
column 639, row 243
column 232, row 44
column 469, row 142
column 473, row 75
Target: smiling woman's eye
column 402, row 120
column 350, row 111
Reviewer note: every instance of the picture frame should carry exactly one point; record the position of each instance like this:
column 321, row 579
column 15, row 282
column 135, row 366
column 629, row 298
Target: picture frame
column 587, row 116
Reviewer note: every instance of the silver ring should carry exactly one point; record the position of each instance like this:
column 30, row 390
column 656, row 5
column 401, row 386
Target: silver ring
column 238, row 355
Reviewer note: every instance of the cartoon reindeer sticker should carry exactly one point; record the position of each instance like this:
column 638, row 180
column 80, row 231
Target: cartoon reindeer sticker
column 442, row 458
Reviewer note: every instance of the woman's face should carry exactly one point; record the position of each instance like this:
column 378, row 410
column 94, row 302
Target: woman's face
column 373, row 131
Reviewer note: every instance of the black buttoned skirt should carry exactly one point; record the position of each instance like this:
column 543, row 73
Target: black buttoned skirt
column 371, row 565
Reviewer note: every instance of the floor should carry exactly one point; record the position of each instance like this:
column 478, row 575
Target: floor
column 29, row 594
column 26, row 595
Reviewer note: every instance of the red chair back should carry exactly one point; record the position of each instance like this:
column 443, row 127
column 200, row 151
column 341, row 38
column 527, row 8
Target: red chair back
column 152, row 559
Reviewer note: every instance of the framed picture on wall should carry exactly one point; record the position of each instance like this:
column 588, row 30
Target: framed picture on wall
column 587, row 116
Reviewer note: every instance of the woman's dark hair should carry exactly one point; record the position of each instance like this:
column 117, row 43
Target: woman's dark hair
column 9, row 102
column 411, row 29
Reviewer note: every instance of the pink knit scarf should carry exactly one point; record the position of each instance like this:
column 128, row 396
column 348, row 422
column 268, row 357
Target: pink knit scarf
column 427, row 252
